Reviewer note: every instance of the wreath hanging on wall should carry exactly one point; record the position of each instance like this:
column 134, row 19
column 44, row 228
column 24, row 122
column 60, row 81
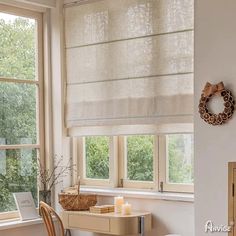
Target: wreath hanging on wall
column 209, row 91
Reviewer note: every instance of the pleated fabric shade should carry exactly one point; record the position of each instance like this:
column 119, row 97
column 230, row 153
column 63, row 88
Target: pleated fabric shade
column 129, row 64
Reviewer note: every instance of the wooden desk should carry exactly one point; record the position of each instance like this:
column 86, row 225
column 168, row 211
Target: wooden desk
column 108, row 223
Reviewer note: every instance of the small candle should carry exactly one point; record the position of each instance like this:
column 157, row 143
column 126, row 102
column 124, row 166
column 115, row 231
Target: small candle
column 126, row 209
column 118, row 202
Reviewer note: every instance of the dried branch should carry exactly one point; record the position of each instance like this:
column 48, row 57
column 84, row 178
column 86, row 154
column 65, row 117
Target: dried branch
column 50, row 178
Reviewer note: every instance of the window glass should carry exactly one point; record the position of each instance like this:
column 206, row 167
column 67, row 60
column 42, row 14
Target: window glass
column 97, row 157
column 180, row 158
column 18, row 47
column 18, row 113
column 139, row 160
column 19, row 110
column 18, row 173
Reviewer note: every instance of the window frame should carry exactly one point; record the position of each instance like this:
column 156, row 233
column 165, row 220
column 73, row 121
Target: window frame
column 164, row 186
column 81, row 163
column 126, row 183
column 38, row 82
column 159, row 166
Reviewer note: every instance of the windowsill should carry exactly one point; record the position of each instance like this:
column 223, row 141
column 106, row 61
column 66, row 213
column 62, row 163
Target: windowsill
column 136, row 193
column 16, row 223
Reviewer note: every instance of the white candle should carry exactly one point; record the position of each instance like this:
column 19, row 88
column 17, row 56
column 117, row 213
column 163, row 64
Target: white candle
column 126, row 209
column 118, row 202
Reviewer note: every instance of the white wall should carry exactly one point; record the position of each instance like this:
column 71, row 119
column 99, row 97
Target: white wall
column 215, row 60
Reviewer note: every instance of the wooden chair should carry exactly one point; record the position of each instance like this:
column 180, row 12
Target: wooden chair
column 47, row 212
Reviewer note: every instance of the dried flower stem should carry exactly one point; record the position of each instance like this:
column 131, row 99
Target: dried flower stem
column 50, row 178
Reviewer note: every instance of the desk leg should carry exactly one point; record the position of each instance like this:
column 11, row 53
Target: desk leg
column 141, row 225
column 67, row 233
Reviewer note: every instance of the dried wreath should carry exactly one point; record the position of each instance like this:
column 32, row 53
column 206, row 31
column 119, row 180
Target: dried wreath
column 209, row 91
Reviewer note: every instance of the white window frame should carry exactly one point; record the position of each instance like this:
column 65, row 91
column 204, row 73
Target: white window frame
column 80, row 154
column 126, row 183
column 40, row 146
column 118, row 166
column 164, row 185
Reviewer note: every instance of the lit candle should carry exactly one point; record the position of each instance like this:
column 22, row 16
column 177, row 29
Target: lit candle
column 118, row 202
column 126, row 209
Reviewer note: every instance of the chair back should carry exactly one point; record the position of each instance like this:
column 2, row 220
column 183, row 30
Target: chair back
column 47, row 212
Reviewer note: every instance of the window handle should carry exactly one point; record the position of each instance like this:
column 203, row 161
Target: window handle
column 161, row 186
column 121, row 183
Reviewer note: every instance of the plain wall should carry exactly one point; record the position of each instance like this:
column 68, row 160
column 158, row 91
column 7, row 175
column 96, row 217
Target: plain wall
column 215, row 146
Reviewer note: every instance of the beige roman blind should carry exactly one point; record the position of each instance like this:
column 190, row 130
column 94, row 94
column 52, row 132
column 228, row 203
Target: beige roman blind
column 129, row 63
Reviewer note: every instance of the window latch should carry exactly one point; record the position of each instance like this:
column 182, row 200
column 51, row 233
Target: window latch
column 161, row 186
column 121, row 183
column 233, row 190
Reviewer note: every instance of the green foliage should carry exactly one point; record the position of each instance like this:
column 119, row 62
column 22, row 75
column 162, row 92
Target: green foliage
column 180, row 153
column 17, row 112
column 97, row 157
column 140, row 157
column 15, row 181
column 140, row 154
column 17, row 48
column 17, row 108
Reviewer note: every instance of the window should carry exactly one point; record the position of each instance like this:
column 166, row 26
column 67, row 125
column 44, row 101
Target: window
column 97, row 159
column 176, row 162
column 139, row 161
column 21, row 103
column 179, row 158
column 138, row 157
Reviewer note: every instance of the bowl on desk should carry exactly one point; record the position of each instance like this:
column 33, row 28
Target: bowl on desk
column 77, row 202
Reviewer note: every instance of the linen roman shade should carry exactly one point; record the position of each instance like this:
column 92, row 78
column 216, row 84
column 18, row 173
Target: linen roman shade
column 129, row 63
column 42, row 3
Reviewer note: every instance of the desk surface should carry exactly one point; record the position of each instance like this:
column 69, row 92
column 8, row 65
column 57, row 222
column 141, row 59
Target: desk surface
column 111, row 214
column 108, row 223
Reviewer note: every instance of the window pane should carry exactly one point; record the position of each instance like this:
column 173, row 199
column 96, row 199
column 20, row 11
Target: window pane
column 18, row 113
column 97, row 157
column 17, row 47
column 19, row 174
column 180, row 158
column 140, row 151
